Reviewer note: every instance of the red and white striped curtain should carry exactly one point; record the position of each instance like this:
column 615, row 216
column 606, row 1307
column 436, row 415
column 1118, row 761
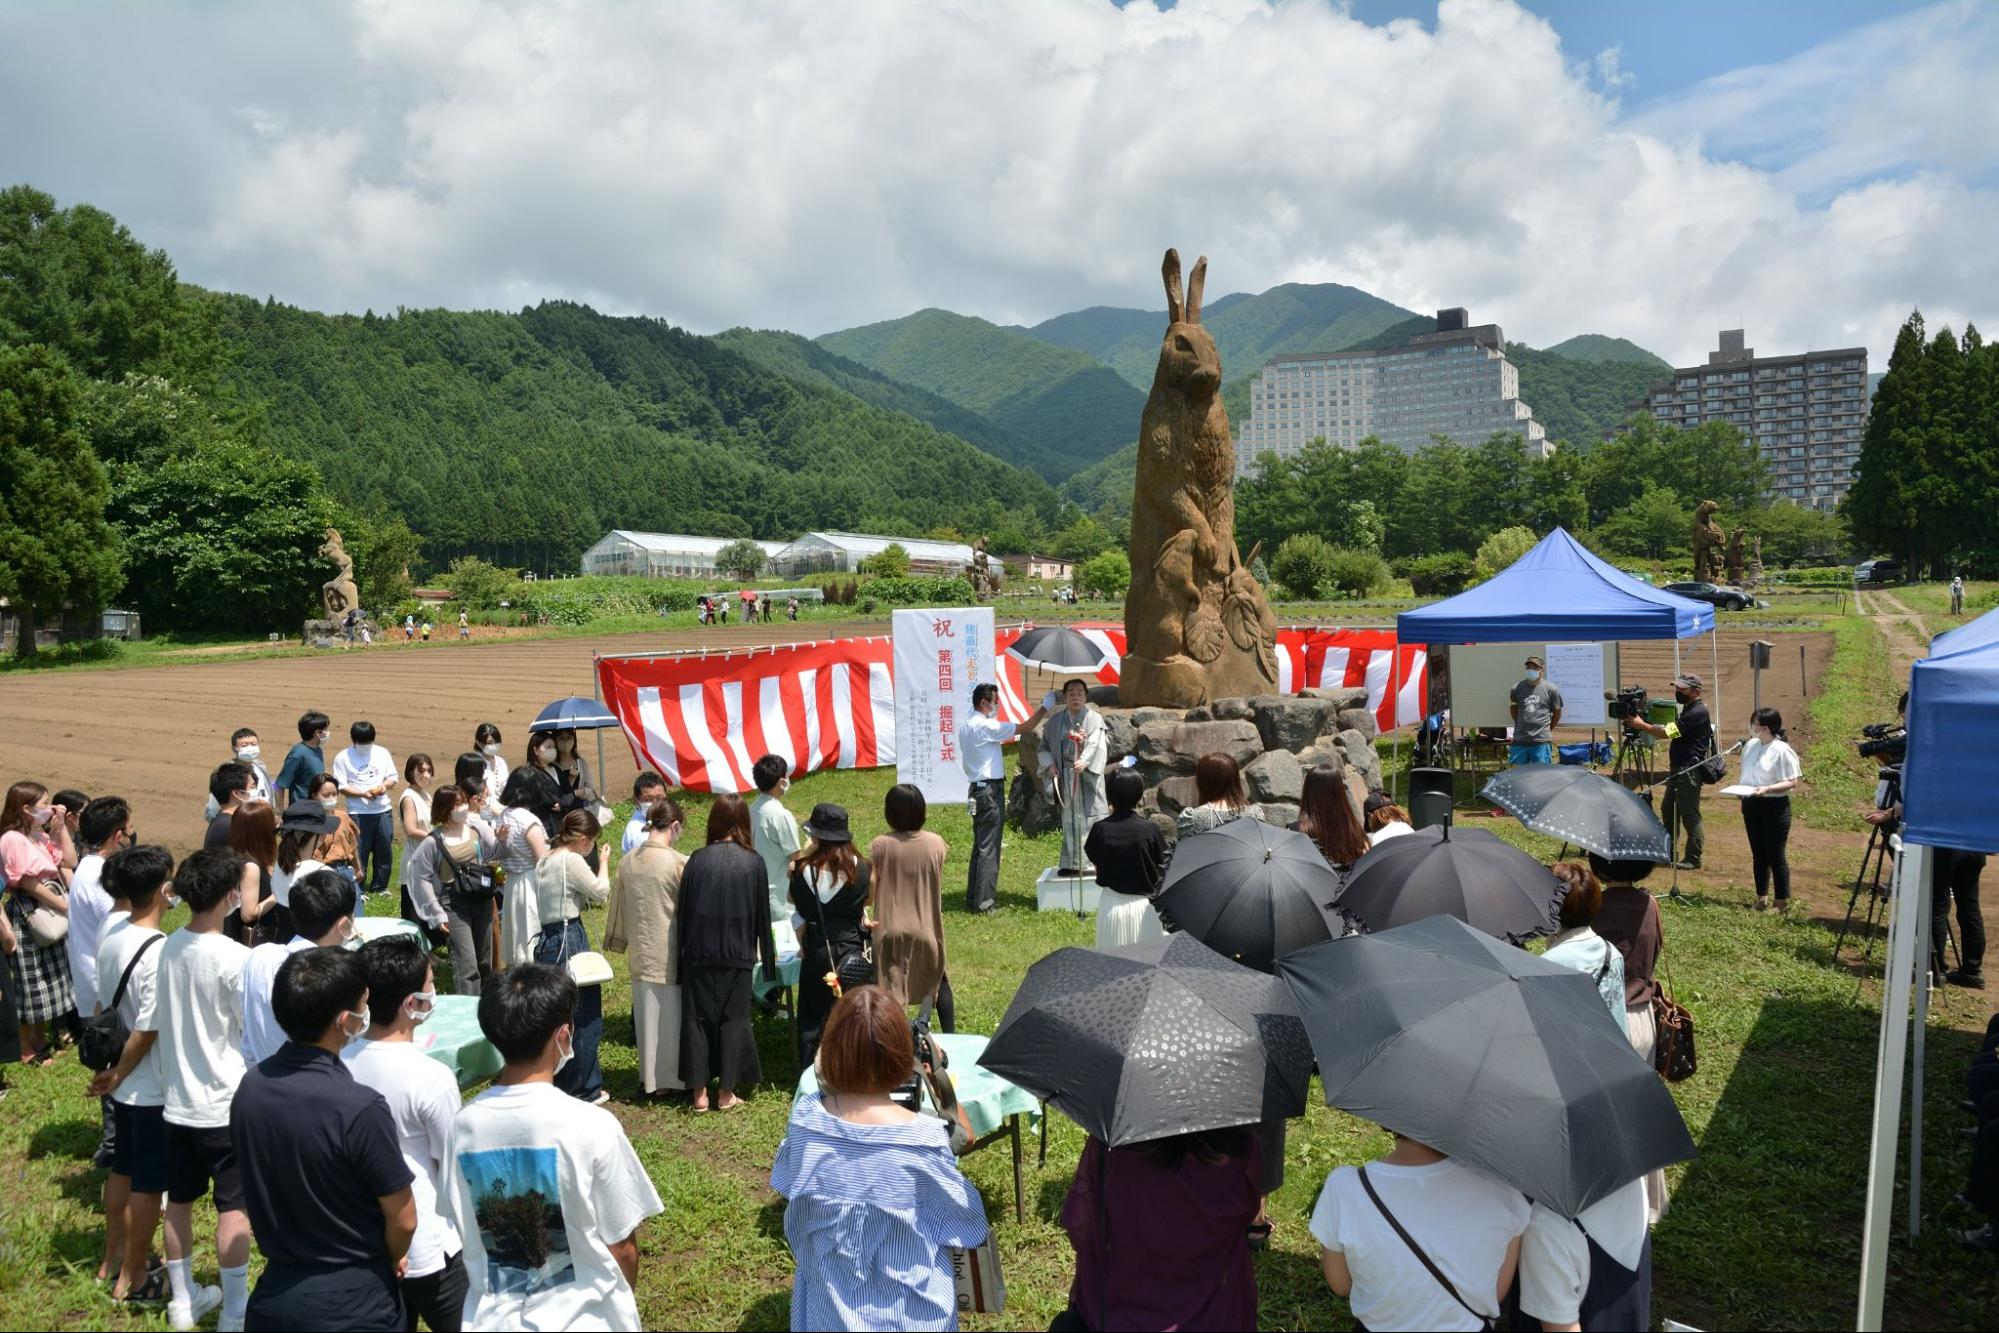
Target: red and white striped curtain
column 702, row 721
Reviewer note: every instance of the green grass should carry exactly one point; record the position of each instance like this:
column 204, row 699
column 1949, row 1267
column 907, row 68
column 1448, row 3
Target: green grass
column 1765, row 1225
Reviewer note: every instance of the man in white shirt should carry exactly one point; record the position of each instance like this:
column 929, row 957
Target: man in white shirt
column 104, row 827
column 523, row 1139
column 1074, row 748
column 982, row 739
column 199, row 1012
column 322, row 909
column 248, row 750
column 647, row 787
column 366, row 772
column 774, row 831
column 136, row 1187
column 423, row 1101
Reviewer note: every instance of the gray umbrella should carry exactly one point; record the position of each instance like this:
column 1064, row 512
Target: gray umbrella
column 1570, row 802
column 1251, row 892
column 1487, row 1053
column 1057, row 648
column 1154, row 1039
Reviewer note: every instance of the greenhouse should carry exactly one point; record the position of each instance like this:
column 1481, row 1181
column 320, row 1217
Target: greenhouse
column 662, row 554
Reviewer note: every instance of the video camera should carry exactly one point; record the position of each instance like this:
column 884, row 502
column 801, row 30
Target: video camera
column 1628, row 703
column 1887, row 740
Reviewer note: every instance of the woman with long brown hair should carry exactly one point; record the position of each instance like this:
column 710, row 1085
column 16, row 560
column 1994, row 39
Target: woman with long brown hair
column 829, row 889
column 36, row 856
column 254, row 833
column 724, row 930
column 1326, row 816
column 1219, row 797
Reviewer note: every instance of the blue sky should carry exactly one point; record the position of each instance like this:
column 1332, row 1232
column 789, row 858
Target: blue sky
column 1808, row 170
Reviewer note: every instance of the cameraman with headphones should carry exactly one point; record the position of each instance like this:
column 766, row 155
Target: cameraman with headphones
column 1692, row 740
column 1954, row 876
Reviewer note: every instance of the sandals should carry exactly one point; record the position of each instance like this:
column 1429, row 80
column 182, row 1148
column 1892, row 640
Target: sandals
column 152, row 1292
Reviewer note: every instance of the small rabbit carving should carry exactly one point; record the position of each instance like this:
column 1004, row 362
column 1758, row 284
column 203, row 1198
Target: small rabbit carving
column 1197, row 622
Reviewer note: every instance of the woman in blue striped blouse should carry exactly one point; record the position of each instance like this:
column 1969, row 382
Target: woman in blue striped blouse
column 876, row 1198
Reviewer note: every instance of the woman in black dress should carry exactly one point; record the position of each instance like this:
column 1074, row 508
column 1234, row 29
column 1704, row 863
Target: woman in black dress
column 829, row 888
column 724, row 930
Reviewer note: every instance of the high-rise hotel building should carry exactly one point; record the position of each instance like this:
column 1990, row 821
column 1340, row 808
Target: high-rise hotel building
column 1455, row 382
column 1807, row 413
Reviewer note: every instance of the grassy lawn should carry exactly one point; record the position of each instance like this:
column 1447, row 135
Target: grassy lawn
column 1764, row 1230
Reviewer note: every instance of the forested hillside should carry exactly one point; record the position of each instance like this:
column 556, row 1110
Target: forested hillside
column 1601, row 347
column 1248, row 330
column 1059, row 398
column 1578, row 401
column 524, row 437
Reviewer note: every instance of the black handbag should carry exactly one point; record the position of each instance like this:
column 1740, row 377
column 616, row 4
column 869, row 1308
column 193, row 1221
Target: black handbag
column 1713, row 769
column 1673, row 1047
column 101, row 1042
column 471, row 884
column 853, row 968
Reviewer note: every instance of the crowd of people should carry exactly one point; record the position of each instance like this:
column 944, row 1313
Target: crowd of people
column 269, row 1060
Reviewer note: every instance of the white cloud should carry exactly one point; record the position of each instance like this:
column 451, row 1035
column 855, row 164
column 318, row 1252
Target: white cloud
column 796, row 164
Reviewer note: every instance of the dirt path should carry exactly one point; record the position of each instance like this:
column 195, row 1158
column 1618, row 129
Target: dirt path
column 153, row 734
column 1908, row 640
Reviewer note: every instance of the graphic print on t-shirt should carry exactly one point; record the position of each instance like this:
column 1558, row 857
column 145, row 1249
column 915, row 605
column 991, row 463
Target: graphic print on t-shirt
column 517, row 1203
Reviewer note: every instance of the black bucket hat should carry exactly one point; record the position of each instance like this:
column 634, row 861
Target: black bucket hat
column 307, row 817
column 828, row 823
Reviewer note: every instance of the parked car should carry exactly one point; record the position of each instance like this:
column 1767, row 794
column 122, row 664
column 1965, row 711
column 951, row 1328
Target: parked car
column 1638, row 574
column 1725, row 599
column 1878, row 571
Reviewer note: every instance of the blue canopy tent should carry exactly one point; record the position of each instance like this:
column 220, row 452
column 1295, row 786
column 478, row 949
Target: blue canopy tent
column 1560, row 591
column 1949, row 781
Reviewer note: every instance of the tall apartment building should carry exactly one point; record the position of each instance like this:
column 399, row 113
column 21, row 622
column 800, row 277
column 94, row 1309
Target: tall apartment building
column 1455, row 382
column 1807, row 413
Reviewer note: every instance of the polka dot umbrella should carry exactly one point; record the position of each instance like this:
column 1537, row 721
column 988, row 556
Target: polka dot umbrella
column 1570, row 802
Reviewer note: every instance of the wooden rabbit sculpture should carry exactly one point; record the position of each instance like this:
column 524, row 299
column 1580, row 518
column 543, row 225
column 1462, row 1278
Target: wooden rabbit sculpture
column 1197, row 623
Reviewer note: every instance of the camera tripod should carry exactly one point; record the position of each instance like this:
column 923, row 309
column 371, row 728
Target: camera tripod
column 1880, row 855
column 1634, row 757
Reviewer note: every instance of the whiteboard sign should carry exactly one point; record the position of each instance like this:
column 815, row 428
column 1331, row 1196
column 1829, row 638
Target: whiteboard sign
column 1576, row 669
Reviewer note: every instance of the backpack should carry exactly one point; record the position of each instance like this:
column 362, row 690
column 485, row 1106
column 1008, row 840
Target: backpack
column 101, row 1043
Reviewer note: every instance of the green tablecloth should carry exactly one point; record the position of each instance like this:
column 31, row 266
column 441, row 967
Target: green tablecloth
column 788, row 965
column 987, row 1098
column 452, row 1036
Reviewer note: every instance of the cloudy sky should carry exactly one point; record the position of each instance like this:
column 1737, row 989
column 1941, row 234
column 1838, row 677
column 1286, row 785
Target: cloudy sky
column 1807, row 169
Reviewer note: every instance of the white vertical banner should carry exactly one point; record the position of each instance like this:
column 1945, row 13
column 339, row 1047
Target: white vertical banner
column 940, row 654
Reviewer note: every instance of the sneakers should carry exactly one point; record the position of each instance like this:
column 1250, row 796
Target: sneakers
column 600, row 1097
column 1984, row 1239
column 1686, row 865
column 185, row 1319
column 1968, row 980
column 1762, row 903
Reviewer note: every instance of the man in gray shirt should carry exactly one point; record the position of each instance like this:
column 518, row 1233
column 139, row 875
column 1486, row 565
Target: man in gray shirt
column 1537, row 711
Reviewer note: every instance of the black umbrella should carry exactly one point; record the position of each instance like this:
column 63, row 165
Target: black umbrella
column 1057, row 648
column 1487, row 1053
column 1570, row 802
column 1466, row 873
column 1251, row 891
column 1154, row 1039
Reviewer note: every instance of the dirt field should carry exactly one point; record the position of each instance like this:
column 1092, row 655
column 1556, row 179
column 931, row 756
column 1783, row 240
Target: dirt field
column 153, row 734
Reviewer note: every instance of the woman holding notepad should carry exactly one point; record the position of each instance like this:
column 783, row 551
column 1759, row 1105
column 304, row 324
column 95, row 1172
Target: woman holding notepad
column 1770, row 769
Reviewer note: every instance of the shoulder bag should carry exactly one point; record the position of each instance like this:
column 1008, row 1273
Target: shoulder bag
column 46, row 926
column 101, row 1042
column 588, row 968
column 1484, row 1320
column 854, row 968
column 1713, row 769
column 1673, row 1048
column 471, row 884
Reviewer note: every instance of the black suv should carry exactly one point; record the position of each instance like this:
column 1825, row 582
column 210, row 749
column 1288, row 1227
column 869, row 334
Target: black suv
column 1878, row 571
column 1727, row 599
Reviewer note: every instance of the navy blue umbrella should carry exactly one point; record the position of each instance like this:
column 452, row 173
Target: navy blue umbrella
column 574, row 714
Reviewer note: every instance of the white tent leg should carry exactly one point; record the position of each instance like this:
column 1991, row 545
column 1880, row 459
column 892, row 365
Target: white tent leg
column 1714, row 656
column 1922, row 984
column 1912, row 868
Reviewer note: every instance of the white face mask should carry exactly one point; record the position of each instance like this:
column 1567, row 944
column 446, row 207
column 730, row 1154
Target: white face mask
column 545, row 753
column 249, row 752
column 42, row 814
column 353, row 1033
column 420, row 1004
column 319, row 740
column 564, row 1054
column 490, row 751
column 459, row 816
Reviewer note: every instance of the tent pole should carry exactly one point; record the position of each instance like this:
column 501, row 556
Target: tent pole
column 1916, row 1042
column 1912, row 867
column 597, row 693
column 1714, row 655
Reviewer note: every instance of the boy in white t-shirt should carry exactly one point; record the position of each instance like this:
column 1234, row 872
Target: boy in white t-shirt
column 136, row 877
column 322, row 913
column 104, row 826
column 1467, row 1223
column 199, row 1011
column 366, row 773
column 523, row 1139
column 423, row 1101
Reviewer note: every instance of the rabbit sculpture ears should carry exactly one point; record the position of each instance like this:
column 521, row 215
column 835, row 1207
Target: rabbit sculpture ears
column 1188, row 311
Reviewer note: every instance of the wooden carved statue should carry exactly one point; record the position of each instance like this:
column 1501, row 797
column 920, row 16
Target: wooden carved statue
column 339, row 592
column 1756, row 558
column 1197, row 623
column 981, row 573
column 1735, row 556
column 1709, row 543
